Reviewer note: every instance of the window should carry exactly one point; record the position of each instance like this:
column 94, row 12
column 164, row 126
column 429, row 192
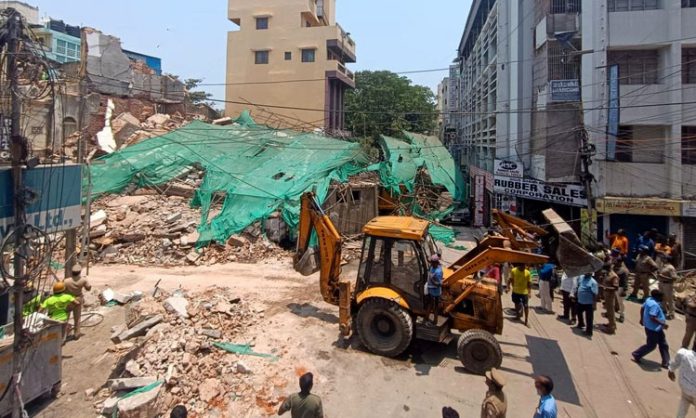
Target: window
column 688, row 142
column 308, row 55
column 689, row 65
column 261, row 57
column 632, row 5
column 405, row 267
column 288, row 56
column 261, row 23
column 69, row 127
column 61, row 47
column 565, row 6
column 72, row 50
column 640, row 144
column 635, row 67
column 688, row 3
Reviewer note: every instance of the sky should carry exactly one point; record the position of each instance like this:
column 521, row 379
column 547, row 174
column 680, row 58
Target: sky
column 190, row 36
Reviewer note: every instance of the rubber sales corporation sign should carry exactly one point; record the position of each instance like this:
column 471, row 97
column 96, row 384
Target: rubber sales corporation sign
column 566, row 194
column 508, row 168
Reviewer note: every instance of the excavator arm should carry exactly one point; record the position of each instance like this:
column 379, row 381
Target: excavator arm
column 313, row 217
column 518, row 231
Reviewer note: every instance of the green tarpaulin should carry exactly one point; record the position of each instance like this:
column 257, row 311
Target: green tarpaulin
column 260, row 170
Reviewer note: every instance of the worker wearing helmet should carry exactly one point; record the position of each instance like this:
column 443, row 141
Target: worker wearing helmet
column 59, row 306
column 434, row 286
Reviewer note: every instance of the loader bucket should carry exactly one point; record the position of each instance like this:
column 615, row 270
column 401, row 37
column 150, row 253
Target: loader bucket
column 571, row 255
column 307, row 263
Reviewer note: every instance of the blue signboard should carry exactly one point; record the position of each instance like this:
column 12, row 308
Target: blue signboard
column 564, row 90
column 54, row 194
column 614, row 112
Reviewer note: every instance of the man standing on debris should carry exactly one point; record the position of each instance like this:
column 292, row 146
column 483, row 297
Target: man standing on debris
column 74, row 286
column 690, row 315
column 303, row 404
column 645, row 269
column 686, row 362
column 667, row 277
column 521, row 283
column 653, row 319
column 587, row 291
column 494, row 404
column 434, row 287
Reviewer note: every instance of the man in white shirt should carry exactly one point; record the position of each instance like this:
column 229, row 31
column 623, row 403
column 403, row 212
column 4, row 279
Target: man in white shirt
column 686, row 361
column 568, row 285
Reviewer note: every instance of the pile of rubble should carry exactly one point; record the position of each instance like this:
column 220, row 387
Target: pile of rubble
column 177, row 349
column 162, row 230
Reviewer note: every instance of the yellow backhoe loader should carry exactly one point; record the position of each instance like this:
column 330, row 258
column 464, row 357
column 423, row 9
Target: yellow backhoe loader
column 385, row 305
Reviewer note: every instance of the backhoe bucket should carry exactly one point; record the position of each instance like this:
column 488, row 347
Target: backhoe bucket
column 307, row 263
column 571, row 255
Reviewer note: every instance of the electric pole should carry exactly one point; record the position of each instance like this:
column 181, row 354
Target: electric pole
column 18, row 153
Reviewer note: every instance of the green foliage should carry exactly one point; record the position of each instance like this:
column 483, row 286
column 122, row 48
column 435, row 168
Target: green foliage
column 385, row 103
column 196, row 97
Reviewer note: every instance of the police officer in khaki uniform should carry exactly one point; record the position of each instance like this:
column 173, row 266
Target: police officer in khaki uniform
column 667, row 275
column 690, row 317
column 611, row 286
column 494, row 405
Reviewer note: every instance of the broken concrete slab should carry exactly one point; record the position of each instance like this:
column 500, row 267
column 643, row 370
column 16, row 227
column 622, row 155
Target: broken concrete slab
column 142, row 405
column 109, row 406
column 98, row 231
column 131, row 383
column 133, row 368
column 127, row 201
column 209, row 389
column 192, row 257
column 158, row 119
column 177, row 305
column 237, row 241
column 173, row 217
column 141, row 328
column 212, row 333
column 116, row 333
column 97, row 218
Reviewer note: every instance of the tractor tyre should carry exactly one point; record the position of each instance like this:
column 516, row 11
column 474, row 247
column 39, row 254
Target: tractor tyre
column 384, row 327
column 479, row 351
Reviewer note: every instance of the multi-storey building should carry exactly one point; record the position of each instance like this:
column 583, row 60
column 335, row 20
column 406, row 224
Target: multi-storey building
column 619, row 75
column 646, row 173
column 494, row 85
column 287, row 63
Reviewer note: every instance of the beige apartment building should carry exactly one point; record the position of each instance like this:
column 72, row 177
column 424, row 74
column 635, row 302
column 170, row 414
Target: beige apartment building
column 287, row 63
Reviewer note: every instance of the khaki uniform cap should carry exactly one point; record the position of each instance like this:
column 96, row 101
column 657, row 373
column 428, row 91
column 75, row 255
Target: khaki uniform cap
column 496, row 376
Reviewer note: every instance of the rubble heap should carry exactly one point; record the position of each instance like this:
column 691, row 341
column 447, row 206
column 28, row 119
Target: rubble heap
column 167, row 349
column 162, row 230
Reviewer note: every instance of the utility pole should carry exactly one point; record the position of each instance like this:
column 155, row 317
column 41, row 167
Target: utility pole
column 587, row 151
column 18, row 151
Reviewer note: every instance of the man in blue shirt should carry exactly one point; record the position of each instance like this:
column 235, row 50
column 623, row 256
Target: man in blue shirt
column 434, row 286
column 653, row 319
column 547, row 403
column 586, row 295
column 647, row 239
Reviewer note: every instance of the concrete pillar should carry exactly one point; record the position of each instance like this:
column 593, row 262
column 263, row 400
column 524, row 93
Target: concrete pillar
column 672, row 83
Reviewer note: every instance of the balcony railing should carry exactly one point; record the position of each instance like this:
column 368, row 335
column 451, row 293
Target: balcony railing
column 345, row 71
column 346, row 37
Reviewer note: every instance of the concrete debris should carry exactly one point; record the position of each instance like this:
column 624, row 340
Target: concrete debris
column 141, row 328
column 177, row 305
column 162, row 230
column 178, row 352
column 131, row 383
column 142, row 405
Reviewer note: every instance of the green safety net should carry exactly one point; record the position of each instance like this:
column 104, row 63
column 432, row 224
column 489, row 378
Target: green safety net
column 258, row 169
column 261, row 170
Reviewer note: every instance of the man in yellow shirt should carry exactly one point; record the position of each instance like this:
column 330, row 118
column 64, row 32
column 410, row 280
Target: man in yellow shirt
column 520, row 281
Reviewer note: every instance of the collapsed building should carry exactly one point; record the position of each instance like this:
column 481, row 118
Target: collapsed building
column 245, row 179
